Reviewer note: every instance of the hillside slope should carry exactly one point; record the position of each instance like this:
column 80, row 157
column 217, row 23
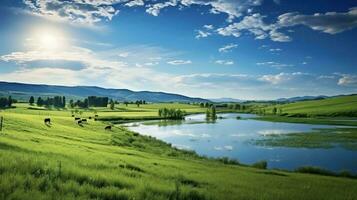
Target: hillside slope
column 23, row 91
column 334, row 106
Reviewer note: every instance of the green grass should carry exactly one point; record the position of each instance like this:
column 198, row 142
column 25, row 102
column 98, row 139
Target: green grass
column 67, row 161
column 319, row 138
column 331, row 107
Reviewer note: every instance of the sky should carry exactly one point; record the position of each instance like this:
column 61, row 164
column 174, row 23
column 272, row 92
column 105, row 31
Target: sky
column 245, row 49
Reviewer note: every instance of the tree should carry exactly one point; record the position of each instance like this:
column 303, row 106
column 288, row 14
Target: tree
column 9, row 103
column 63, row 102
column 213, row 112
column 274, row 110
column 32, row 100
column 3, row 102
column 112, row 104
column 71, row 103
column 39, row 101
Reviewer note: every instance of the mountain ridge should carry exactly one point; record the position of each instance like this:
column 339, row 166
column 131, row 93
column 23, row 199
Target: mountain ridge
column 25, row 90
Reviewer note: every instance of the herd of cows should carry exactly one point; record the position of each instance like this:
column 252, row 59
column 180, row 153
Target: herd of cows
column 79, row 121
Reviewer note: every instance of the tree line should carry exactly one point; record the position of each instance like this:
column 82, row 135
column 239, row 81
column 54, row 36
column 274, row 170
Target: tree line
column 94, row 101
column 171, row 113
column 57, row 101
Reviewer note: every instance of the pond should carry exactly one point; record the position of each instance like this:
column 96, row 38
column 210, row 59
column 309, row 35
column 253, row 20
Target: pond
column 233, row 138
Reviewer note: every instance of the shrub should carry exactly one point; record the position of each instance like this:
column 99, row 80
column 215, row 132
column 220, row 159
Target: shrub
column 228, row 161
column 314, row 170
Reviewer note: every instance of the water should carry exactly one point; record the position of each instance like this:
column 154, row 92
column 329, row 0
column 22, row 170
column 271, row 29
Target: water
column 232, row 138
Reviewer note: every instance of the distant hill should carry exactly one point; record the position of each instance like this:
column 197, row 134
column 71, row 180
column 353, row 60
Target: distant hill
column 221, row 100
column 302, row 98
column 23, row 91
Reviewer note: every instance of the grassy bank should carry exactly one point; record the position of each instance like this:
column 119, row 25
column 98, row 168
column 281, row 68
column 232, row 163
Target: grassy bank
column 67, row 161
column 319, row 138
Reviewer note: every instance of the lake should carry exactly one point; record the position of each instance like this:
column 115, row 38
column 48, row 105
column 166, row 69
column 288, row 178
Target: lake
column 233, row 138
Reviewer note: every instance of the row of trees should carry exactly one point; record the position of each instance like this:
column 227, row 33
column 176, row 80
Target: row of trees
column 205, row 105
column 172, row 113
column 94, row 101
column 57, row 101
column 6, row 102
column 138, row 103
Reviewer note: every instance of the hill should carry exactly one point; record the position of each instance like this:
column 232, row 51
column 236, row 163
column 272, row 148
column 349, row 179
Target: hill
column 302, row 98
column 23, row 91
column 333, row 106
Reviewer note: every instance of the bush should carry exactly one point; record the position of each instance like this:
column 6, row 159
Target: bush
column 314, row 170
column 260, row 165
column 228, row 161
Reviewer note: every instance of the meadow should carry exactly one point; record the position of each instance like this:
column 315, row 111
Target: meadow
column 340, row 106
column 63, row 160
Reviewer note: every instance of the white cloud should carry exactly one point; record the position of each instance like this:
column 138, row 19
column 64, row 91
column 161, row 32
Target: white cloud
column 208, row 26
column 274, row 64
column 347, row 80
column 233, row 8
column 227, row 48
column 124, row 54
column 255, row 25
column 84, row 12
column 154, row 9
column 206, row 32
column 135, row 3
column 57, row 76
column 330, row 22
column 179, row 62
column 224, row 62
column 202, row 34
column 275, row 50
column 280, row 78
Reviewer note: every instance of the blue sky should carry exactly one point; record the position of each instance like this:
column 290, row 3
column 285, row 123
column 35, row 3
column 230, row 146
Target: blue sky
column 246, row 49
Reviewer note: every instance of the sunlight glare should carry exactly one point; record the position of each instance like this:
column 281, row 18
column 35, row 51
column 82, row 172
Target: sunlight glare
column 48, row 39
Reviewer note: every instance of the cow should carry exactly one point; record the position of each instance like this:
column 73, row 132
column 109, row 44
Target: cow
column 84, row 120
column 79, row 123
column 108, row 128
column 72, row 115
column 95, row 115
column 47, row 120
column 77, row 118
column 89, row 117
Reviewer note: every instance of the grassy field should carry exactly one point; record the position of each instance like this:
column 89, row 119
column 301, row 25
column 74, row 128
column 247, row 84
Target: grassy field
column 67, row 161
column 344, row 106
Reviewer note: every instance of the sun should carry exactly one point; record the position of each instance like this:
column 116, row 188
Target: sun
column 48, row 39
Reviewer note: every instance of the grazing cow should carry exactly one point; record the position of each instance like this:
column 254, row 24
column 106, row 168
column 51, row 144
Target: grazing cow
column 77, row 118
column 95, row 115
column 108, row 128
column 72, row 115
column 47, row 120
column 79, row 122
column 90, row 117
column 84, row 120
